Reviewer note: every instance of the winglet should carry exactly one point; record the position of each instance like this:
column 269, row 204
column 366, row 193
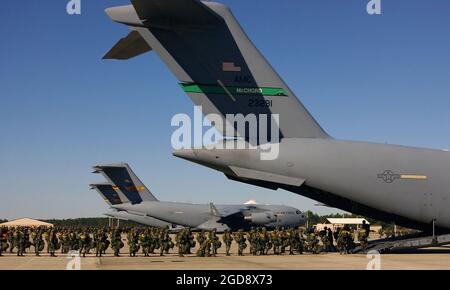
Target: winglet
column 214, row 211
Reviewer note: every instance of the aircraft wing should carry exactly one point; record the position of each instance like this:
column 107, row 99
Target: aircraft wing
column 266, row 176
column 224, row 213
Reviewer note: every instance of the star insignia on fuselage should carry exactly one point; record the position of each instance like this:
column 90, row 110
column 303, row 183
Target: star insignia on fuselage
column 389, row 176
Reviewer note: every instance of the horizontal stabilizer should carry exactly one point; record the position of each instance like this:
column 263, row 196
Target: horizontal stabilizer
column 266, row 176
column 108, row 193
column 128, row 47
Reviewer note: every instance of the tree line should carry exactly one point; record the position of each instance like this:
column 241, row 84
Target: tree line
column 313, row 218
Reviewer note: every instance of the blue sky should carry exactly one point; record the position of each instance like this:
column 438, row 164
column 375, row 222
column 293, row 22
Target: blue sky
column 62, row 109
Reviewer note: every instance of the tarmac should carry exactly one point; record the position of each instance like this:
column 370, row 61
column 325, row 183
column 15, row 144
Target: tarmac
column 425, row 259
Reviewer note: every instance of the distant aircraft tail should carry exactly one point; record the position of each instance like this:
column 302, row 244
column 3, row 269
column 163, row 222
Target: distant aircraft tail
column 126, row 181
column 108, row 193
column 216, row 63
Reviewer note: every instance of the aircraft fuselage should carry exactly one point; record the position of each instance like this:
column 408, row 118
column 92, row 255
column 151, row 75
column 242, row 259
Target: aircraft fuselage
column 232, row 217
column 402, row 182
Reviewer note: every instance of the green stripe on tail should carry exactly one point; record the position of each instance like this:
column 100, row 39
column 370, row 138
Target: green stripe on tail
column 243, row 91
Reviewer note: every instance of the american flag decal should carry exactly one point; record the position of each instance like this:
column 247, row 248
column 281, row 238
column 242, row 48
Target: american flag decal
column 230, row 67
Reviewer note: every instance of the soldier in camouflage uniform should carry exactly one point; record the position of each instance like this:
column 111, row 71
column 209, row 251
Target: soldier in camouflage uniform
column 84, row 244
column 215, row 243
column 11, row 240
column 38, row 241
column 144, row 240
column 171, row 244
column 241, row 242
column 274, row 240
column 187, row 242
column 251, row 237
column 182, row 241
column 47, row 239
column 264, row 241
column 340, row 241
column 192, row 242
column 3, row 240
column 53, row 243
column 284, row 241
column 154, row 242
column 300, row 241
column 292, row 241
column 165, row 242
column 325, row 240
column 100, row 244
column 269, row 245
column 349, row 242
column 133, row 243
column 26, row 235
column 65, row 242
column 313, row 242
column 116, row 242
column 74, row 243
column 207, row 247
column 227, row 240
column 363, row 235
column 344, row 241
column 201, row 240
column 336, row 237
column 331, row 240
column 19, row 240
column 106, row 241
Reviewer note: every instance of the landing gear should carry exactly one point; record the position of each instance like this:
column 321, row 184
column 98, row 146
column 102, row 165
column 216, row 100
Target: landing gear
column 434, row 241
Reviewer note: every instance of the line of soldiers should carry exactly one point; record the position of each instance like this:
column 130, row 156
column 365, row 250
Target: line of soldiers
column 149, row 240
column 159, row 241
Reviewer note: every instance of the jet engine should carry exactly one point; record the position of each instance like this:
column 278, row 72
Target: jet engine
column 261, row 218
